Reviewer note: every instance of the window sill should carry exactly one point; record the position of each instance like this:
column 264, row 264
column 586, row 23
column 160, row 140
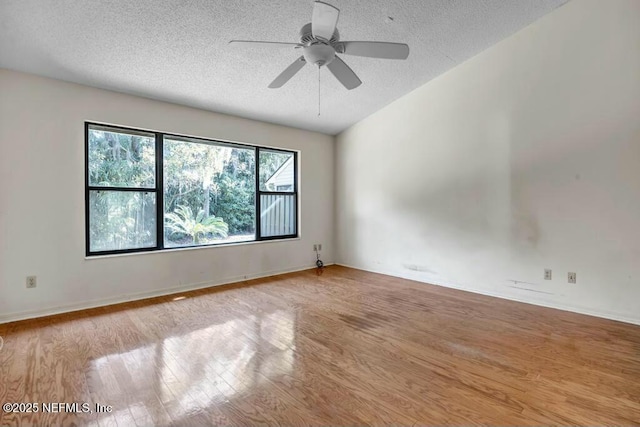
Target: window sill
column 192, row 248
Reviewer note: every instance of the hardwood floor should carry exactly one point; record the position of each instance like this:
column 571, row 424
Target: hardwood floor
column 346, row 348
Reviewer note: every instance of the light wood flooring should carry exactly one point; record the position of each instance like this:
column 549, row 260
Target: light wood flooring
column 346, row 348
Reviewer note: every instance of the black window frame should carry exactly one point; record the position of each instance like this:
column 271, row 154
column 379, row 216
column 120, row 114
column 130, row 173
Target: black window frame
column 159, row 188
column 293, row 192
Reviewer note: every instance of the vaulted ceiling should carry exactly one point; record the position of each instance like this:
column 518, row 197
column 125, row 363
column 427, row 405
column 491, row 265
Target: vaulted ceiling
column 178, row 51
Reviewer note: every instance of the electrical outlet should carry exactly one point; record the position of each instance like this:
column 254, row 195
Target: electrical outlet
column 31, row 282
column 572, row 277
column 315, row 247
column 319, row 246
column 547, row 274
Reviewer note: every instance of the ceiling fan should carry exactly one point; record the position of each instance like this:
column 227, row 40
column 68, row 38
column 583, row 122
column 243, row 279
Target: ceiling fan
column 320, row 42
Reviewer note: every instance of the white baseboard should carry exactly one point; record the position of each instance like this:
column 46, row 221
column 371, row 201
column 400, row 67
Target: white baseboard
column 574, row 309
column 30, row 314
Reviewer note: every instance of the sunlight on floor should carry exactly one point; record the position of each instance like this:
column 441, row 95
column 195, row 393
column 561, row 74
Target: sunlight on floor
column 205, row 367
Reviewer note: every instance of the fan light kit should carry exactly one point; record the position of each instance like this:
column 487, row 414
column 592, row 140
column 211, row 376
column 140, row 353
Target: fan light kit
column 320, row 42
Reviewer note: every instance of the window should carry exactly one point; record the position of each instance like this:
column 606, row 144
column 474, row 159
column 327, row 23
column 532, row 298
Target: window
column 148, row 191
column 277, row 195
column 213, row 183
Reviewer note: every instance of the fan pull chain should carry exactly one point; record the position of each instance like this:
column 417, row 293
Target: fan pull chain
column 318, row 90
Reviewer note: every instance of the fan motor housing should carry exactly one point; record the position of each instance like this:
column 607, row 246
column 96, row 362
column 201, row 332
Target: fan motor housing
column 306, row 35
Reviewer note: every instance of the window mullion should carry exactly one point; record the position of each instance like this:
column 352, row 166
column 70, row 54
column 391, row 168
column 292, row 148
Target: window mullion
column 159, row 190
column 257, row 205
column 125, row 189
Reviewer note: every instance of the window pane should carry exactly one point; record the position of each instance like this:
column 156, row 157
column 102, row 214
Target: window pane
column 276, row 171
column 121, row 220
column 119, row 159
column 209, row 193
column 277, row 215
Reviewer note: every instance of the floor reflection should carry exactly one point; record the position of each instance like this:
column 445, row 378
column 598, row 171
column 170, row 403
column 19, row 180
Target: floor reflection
column 186, row 374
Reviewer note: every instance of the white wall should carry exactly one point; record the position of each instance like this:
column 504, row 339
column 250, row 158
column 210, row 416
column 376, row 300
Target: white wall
column 523, row 158
column 42, row 199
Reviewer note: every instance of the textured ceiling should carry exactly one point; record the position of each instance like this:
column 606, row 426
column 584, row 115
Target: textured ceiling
column 177, row 51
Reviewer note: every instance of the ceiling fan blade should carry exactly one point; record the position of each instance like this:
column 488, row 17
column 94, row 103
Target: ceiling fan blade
column 344, row 74
column 324, row 20
column 374, row 49
column 252, row 43
column 289, row 72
